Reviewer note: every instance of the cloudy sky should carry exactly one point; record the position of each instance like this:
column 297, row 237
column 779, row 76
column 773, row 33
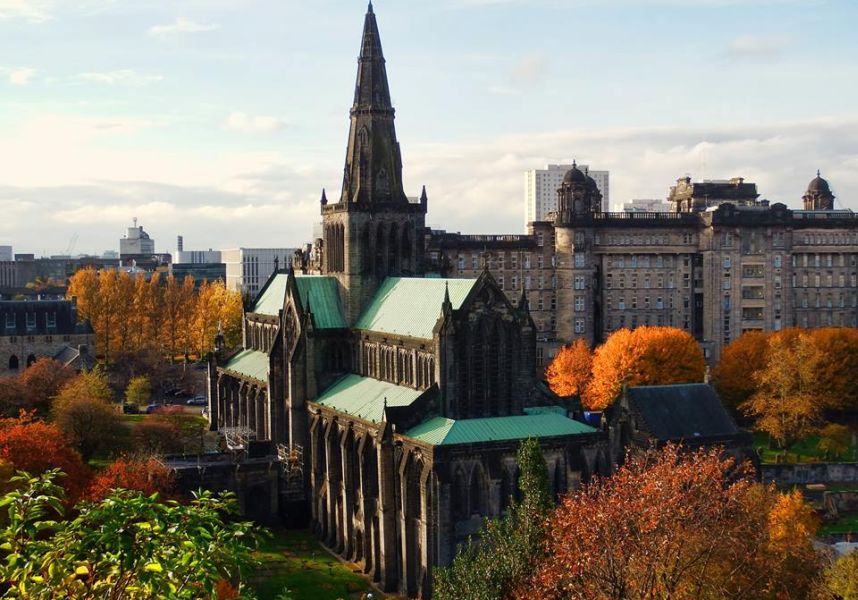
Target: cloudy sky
column 222, row 120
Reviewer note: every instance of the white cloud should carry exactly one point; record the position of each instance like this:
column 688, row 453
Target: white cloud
column 35, row 11
column 757, row 47
column 123, row 77
column 18, row 75
column 181, row 25
column 244, row 123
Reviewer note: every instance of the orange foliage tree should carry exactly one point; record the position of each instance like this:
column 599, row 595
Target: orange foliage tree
column 673, row 524
column 642, row 356
column 838, row 365
column 741, row 359
column 13, row 396
column 130, row 314
column 789, row 400
column 43, row 380
column 570, row 371
column 35, row 446
column 145, row 475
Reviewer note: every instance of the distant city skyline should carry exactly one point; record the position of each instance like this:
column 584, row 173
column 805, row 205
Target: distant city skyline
column 222, row 120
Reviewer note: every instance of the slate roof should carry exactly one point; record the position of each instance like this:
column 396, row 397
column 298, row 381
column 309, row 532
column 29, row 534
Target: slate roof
column 250, row 364
column 320, row 291
column 411, row 306
column 682, row 411
column 62, row 315
column 364, row 397
column 74, row 358
column 440, row 431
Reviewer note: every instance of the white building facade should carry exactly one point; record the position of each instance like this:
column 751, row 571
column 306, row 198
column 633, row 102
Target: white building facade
column 136, row 242
column 247, row 269
column 648, row 205
column 540, row 190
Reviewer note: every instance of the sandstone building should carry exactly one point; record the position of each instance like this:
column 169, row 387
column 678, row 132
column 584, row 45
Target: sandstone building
column 33, row 329
column 722, row 262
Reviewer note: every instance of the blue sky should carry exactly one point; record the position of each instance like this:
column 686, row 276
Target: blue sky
column 221, row 120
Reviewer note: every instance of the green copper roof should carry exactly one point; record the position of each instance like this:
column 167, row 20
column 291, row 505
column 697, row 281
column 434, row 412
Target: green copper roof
column 249, row 363
column 324, row 300
column 439, row 431
column 322, row 293
column 364, row 397
column 270, row 301
column 545, row 410
column 410, row 306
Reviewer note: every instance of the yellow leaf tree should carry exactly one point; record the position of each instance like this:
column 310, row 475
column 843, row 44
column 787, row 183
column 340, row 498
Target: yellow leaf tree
column 570, row 371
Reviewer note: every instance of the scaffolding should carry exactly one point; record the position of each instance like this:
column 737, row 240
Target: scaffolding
column 237, row 438
column 292, row 463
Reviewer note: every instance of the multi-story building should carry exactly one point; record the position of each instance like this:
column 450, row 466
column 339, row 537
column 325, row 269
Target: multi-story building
column 720, row 263
column 647, row 205
column 6, row 254
column 136, row 243
column 247, row 269
column 30, row 330
column 540, row 190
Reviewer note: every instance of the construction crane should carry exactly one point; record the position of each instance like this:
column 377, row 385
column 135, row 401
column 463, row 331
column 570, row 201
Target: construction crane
column 72, row 244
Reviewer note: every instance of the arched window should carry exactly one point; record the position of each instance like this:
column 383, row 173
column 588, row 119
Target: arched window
column 380, row 254
column 393, row 250
column 30, row 360
column 476, row 492
column 460, row 495
column 478, row 372
column 365, row 250
column 405, row 243
column 13, row 363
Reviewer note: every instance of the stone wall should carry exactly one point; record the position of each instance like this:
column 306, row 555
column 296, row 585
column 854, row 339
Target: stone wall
column 800, row 474
column 38, row 346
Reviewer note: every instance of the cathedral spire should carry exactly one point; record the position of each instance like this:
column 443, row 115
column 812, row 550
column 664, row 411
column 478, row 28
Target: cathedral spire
column 373, row 171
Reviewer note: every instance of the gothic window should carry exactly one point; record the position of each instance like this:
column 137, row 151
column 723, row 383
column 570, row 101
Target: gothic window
column 365, row 252
column 476, row 492
column 460, row 495
column 380, row 254
column 291, row 329
column 382, row 183
column 392, row 250
column 363, row 136
column 13, row 363
column 478, row 372
column 405, row 242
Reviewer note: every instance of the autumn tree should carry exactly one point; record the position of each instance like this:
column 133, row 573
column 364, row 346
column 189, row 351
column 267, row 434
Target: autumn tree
column 139, row 391
column 42, row 381
column 92, row 426
column 835, row 439
column 570, row 371
column 89, row 385
column 841, row 577
column 508, row 547
column 191, row 427
column 145, row 475
column 158, row 437
column 13, row 396
column 643, row 356
column 675, row 524
column 838, row 365
column 789, row 400
column 735, row 375
column 36, row 447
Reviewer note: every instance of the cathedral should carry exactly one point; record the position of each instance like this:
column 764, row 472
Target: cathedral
column 405, row 394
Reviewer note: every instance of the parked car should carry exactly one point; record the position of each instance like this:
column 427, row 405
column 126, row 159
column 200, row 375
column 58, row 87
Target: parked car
column 130, row 409
column 198, row 401
column 152, row 408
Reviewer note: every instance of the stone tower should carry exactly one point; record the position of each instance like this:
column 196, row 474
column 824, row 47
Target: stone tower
column 373, row 231
column 818, row 195
column 578, row 198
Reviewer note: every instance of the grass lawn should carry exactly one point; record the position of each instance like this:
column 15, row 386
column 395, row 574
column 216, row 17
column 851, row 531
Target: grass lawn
column 804, row 451
column 134, row 418
column 295, row 560
column 847, row 523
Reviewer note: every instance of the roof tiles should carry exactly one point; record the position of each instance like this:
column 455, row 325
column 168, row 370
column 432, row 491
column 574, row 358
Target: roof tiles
column 439, row 431
column 365, row 397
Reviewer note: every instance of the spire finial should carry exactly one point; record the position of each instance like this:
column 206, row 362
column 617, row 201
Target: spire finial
column 574, row 164
column 324, row 199
column 817, row 173
column 369, row 8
